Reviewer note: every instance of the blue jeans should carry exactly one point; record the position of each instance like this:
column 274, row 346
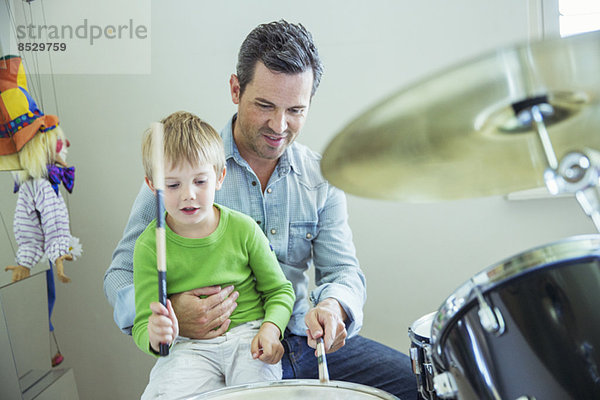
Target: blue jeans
column 361, row 360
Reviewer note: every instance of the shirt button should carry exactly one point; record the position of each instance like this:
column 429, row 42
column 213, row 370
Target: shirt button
column 308, row 235
column 253, row 183
column 269, row 190
column 273, row 231
column 258, row 222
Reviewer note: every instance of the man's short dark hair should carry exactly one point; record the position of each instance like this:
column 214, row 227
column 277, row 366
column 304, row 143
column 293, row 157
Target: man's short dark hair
column 281, row 47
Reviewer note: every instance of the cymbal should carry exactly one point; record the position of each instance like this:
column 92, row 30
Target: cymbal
column 455, row 134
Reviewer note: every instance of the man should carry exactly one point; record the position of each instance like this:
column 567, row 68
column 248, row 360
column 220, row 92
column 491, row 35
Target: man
column 278, row 183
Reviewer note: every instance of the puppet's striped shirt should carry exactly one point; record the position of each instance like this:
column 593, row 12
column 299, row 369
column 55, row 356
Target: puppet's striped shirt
column 41, row 223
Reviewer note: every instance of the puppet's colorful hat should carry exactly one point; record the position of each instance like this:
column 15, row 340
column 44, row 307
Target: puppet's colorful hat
column 20, row 117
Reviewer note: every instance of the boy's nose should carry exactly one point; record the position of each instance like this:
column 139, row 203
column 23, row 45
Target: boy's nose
column 188, row 193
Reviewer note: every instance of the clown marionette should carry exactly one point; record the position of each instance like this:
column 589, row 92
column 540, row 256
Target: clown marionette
column 41, row 223
column 33, row 144
column 36, row 141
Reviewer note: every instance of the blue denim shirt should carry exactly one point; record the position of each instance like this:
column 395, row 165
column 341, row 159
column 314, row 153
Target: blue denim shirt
column 304, row 217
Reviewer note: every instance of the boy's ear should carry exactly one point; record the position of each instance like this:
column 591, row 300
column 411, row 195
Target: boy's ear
column 150, row 185
column 221, row 178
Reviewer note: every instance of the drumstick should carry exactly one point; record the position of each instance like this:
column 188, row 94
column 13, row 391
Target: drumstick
column 159, row 185
column 322, row 360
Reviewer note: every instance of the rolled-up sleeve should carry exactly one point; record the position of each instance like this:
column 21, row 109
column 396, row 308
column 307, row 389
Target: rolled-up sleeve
column 337, row 271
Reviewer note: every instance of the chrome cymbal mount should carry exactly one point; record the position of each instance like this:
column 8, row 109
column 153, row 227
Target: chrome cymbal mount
column 577, row 172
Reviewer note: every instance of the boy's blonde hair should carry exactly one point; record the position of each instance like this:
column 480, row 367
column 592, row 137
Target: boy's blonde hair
column 186, row 138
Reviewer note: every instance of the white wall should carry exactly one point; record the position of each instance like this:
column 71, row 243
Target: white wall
column 414, row 255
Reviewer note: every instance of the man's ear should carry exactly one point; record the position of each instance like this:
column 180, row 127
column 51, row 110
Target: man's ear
column 150, row 185
column 221, row 178
column 234, row 87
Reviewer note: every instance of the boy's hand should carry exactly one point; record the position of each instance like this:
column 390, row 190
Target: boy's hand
column 162, row 325
column 266, row 345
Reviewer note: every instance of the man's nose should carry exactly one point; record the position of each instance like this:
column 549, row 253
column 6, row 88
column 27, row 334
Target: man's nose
column 278, row 122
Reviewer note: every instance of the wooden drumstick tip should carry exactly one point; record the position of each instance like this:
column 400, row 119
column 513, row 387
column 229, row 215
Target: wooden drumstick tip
column 322, row 361
column 158, row 156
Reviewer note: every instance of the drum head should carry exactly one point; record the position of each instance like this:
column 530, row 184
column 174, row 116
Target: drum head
column 420, row 330
column 299, row 389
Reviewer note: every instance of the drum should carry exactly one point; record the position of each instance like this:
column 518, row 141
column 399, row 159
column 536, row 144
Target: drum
column 526, row 328
column 420, row 354
column 298, row 389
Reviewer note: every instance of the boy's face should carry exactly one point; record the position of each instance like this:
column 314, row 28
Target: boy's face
column 189, row 196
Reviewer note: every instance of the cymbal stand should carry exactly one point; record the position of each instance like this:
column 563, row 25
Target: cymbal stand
column 577, row 172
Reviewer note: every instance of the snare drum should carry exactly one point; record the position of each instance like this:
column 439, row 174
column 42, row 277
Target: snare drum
column 420, row 354
column 298, row 389
column 526, row 328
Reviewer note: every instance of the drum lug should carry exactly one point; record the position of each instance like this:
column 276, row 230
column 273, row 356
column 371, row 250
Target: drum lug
column 491, row 320
column 445, row 386
column 414, row 357
column 490, row 317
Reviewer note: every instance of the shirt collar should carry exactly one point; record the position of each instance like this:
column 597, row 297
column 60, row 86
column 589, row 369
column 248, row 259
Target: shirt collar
column 229, row 146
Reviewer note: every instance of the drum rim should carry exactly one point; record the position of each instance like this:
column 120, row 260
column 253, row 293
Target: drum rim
column 570, row 248
column 412, row 333
column 298, row 382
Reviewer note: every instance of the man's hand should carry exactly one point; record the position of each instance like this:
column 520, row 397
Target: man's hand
column 266, row 345
column 326, row 320
column 18, row 272
column 204, row 318
column 162, row 325
column 60, row 269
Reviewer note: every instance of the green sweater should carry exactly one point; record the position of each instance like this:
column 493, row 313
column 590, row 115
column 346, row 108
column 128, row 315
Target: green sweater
column 237, row 253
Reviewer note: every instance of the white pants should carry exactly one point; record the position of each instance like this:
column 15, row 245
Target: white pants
column 196, row 366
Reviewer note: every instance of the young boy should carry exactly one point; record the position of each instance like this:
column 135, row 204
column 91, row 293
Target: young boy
column 206, row 244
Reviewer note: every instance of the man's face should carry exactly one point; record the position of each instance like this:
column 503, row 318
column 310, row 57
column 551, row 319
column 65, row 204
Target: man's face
column 271, row 112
